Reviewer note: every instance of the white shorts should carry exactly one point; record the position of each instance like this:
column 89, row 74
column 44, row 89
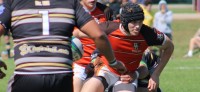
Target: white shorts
column 113, row 80
column 79, row 71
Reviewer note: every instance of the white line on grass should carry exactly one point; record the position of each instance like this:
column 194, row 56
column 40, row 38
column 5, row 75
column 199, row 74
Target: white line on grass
column 184, row 68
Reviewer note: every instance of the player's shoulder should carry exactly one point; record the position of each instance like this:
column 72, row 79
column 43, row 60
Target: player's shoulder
column 146, row 28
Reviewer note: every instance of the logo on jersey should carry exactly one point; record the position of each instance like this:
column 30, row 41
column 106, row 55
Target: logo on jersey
column 1, row 9
column 160, row 37
column 42, row 3
column 27, row 49
column 136, row 48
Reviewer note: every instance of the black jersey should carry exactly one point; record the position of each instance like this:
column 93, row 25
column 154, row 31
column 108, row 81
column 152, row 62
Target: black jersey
column 42, row 30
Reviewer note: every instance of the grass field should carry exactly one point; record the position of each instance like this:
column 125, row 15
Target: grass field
column 180, row 75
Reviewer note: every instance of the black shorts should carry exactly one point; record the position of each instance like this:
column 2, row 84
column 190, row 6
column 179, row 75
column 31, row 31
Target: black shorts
column 41, row 83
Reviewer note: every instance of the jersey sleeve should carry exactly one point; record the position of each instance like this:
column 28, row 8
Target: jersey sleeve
column 152, row 36
column 81, row 16
column 5, row 14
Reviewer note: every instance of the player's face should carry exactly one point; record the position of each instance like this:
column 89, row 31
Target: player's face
column 89, row 3
column 134, row 27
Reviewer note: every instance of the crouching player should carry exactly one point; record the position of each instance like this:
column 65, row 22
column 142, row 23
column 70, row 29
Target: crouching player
column 150, row 60
column 129, row 39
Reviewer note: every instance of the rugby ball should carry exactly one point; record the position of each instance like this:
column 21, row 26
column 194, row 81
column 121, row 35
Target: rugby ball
column 77, row 48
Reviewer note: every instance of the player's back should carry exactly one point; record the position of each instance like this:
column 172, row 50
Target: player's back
column 42, row 31
column 42, row 18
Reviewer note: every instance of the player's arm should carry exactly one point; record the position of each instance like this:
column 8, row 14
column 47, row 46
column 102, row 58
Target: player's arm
column 1, row 30
column 88, row 26
column 77, row 33
column 100, row 39
column 154, row 37
column 168, row 49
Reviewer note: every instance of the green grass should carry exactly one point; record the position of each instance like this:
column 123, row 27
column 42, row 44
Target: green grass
column 182, row 10
column 180, row 74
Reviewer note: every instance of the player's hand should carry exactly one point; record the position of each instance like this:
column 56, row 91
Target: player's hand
column 128, row 77
column 119, row 66
column 153, row 83
column 2, row 74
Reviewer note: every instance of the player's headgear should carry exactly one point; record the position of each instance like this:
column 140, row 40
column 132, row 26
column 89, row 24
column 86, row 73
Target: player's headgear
column 131, row 12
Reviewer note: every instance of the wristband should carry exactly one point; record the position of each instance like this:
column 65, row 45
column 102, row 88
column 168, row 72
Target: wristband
column 113, row 63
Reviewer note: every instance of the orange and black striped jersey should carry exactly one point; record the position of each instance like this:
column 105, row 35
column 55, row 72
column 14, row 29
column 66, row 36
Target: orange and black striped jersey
column 129, row 49
column 42, row 30
column 88, row 44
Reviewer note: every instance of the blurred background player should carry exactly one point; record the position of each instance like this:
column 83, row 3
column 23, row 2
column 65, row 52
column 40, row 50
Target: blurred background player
column 6, row 54
column 100, row 13
column 115, row 6
column 129, row 39
column 193, row 44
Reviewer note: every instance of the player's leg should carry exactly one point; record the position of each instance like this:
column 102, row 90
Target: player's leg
column 93, row 84
column 79, row 77
column 151, row 61
column 192, row 45
column 104, row 79
column 144, row 76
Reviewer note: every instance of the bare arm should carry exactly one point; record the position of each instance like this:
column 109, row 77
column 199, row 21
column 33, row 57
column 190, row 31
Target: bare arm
column 1, row 30
column 93, row 31
column 77, row 33
column 168, row 49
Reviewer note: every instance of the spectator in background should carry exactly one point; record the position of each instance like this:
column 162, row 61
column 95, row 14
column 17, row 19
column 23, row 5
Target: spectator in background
column 115, row 6
column 105, row 2
column 148, row 17
column 122, row 3
column 163, row 19
column 194, row 44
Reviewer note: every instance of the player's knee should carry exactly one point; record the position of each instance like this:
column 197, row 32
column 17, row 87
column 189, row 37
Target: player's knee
column 143, row 71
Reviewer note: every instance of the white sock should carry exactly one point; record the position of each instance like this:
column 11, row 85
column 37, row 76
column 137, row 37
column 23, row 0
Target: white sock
column 190, row 53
